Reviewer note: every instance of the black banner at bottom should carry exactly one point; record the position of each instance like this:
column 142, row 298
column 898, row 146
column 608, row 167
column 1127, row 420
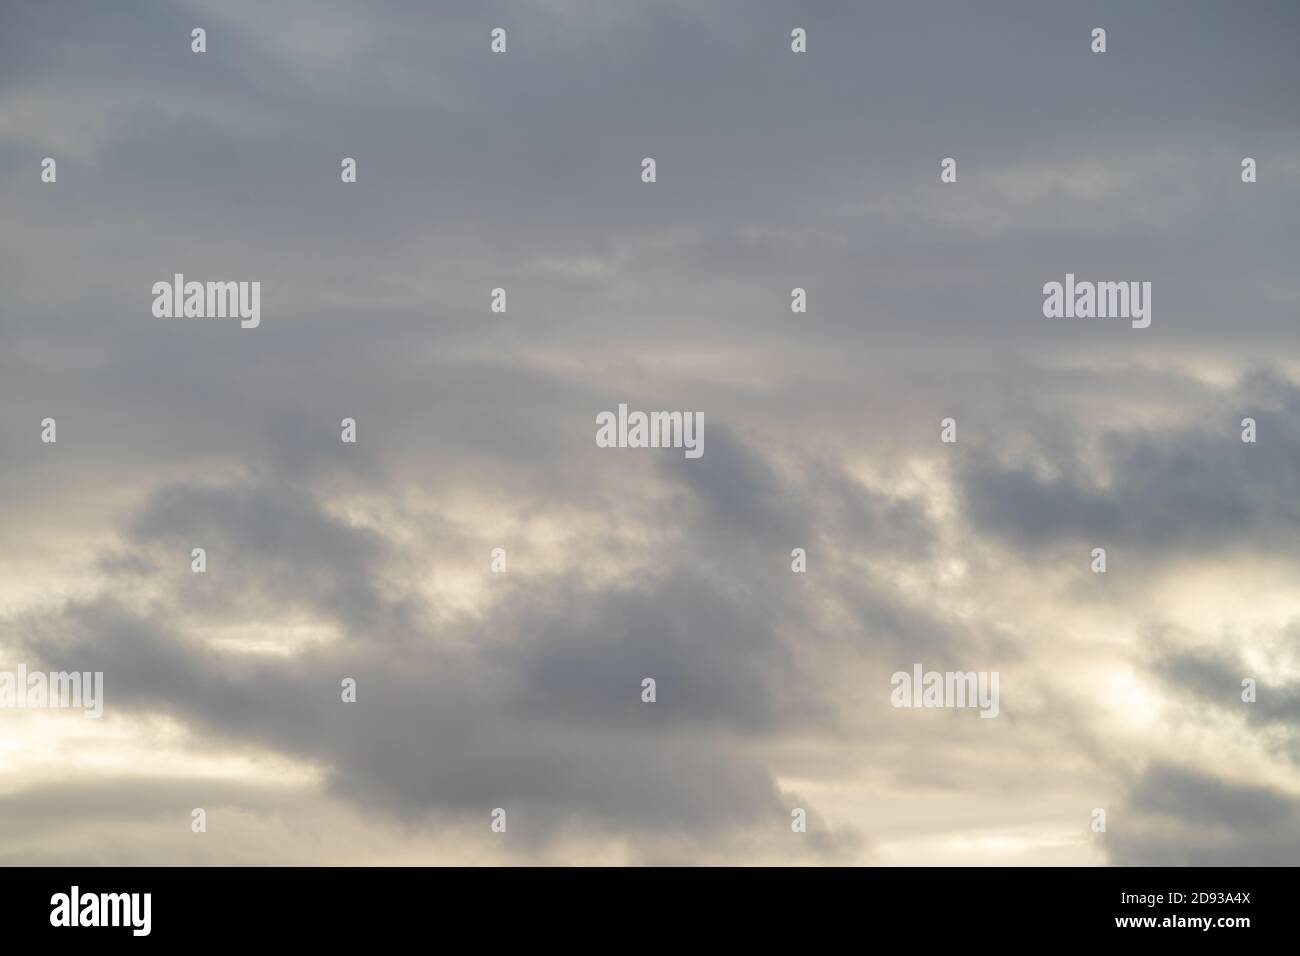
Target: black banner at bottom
column 110, row 906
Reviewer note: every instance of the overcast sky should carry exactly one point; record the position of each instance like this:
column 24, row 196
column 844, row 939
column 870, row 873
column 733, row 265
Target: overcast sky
column 522, row 690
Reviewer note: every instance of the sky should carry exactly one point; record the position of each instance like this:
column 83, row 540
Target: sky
column 522, row 690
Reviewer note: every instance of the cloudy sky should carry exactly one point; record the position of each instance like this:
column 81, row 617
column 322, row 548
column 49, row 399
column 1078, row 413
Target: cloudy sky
column 522, row 690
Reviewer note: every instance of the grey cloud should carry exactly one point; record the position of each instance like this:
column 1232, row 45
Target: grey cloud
column 1212, row 677
column 274, row 541
column 544, row 714
column 1194, row 485
column 1174, row 816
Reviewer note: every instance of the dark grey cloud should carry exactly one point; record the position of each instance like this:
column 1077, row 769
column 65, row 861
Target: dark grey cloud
column 534, row 704
column 1210, row 678
column 1192, row 485
column 1175, row 816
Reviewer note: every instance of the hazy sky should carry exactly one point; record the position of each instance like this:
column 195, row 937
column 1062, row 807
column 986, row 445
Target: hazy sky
column 522, row 690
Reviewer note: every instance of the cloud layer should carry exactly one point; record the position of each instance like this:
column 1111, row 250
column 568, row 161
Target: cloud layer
column 521, row 690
